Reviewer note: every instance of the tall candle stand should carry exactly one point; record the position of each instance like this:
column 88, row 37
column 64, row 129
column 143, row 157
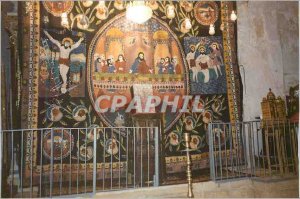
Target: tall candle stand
column 187, row 139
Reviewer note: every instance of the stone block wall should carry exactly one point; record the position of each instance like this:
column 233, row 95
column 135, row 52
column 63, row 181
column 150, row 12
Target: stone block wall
column 268, row 48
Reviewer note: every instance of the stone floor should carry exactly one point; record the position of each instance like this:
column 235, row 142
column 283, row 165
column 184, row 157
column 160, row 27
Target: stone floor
column 244, row 188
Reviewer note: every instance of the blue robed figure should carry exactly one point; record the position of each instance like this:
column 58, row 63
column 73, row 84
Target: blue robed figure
column 139, row 65
column 134, row 66
column 171, row 68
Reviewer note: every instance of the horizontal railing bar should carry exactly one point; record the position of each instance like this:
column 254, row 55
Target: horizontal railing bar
column 39, row 129
column 236, row 121
column 253, row 121
column 36, row 129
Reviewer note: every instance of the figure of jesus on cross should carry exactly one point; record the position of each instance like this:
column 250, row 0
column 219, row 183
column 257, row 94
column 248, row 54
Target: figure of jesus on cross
column 65, row 48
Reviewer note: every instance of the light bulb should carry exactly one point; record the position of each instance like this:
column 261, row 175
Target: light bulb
column 64, row 15
column 170, row 11
column 87, row 3
column 188, row 24
column 211, row 29
column 138, row 12
column 101, row 3
column 64, row 20
column 222, row 27
column 233, row 16
column 46, row 19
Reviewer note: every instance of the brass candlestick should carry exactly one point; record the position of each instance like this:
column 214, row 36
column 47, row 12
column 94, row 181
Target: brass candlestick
column 189, row 163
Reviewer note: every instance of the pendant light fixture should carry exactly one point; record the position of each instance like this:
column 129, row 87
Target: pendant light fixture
column 138, row 12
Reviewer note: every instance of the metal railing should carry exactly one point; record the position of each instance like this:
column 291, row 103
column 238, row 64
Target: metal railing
column 72, row 161
column 253, row 149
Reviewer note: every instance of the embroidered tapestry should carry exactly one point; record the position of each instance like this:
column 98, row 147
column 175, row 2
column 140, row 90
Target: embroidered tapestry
column 78, row 51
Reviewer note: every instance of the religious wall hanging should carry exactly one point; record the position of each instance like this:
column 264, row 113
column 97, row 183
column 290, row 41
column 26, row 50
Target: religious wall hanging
column 76, row 52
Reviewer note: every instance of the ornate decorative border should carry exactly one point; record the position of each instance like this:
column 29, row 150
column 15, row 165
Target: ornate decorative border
column 30, row 60
column 229, row 51
column 33, row 65
column 31, row 38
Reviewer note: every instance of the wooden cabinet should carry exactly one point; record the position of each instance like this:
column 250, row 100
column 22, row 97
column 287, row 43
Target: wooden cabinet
column 273, row 108
column 274, row 132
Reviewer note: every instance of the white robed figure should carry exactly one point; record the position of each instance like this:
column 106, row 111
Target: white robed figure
column 203, row 63
column 65, row 48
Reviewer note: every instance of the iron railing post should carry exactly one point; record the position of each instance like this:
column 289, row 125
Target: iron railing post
column 95, row 162
column 51, row 164
column 1, row 150
column 211, row 152
column 156, row 178
column 1, row 133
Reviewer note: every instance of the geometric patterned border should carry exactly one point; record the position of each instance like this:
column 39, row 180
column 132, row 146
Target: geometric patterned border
column 229, row 51
column 230, row 74
column 30, row 60
column 33, row 65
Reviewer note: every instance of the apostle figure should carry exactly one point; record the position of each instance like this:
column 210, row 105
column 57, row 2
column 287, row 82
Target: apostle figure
column 140, row 66
column 198, row 49
column 190, row 57
column 98, row 64
column 110, row 65
column 121, row 64
column 169, row 66
column 65, row 48
column 176, row 65
column 216, row 58
column 101, row 64
column 160, row 66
